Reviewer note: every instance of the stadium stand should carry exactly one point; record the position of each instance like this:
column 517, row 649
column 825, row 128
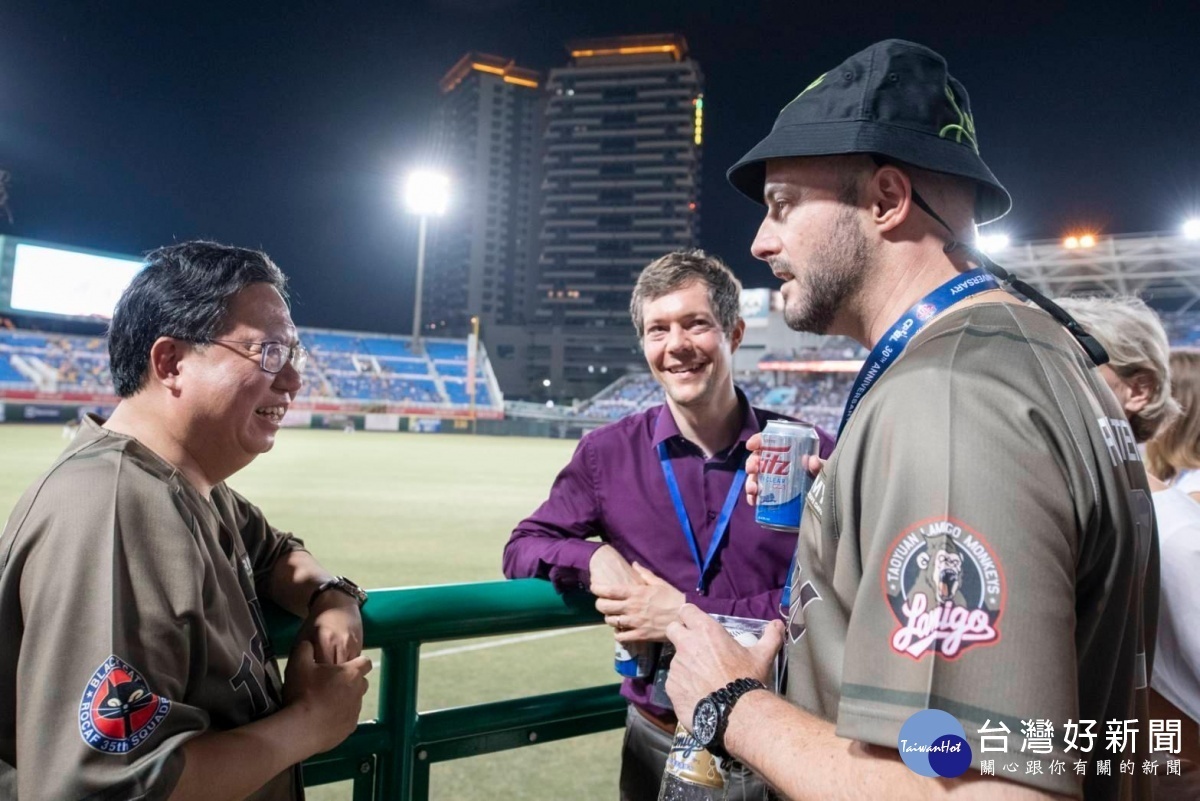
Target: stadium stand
column 54, row 362
column 816, row 397
column 1183, row 328
column 366, row 369
column 806, row 389
column 8, row 373
column 371, row 370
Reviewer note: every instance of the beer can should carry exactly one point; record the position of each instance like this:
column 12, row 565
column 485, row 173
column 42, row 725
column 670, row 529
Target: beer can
column 783, row 481
column 635, row 660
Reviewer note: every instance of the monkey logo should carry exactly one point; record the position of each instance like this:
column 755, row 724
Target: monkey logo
column 945, row 588
column 118, row 711
column 943, row 573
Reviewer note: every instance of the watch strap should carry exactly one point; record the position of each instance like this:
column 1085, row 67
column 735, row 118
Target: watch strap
column 726, row 698
column 342, row 585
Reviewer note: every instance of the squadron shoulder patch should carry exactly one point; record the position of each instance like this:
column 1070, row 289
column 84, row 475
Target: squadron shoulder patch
column 118, row 712
column 945, row 587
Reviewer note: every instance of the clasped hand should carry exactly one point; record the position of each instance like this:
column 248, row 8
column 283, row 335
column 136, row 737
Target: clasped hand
column 634, row 601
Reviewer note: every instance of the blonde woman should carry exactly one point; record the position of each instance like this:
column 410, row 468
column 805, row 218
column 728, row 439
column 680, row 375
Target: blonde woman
column 1174, row 455
column 1140, row 373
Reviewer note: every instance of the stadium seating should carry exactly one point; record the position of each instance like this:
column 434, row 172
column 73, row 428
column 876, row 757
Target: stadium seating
column 379, row 346
column 344, row 366
column 389, row 369
column 22, row 339
column 8, row 373
column 457, row 390
column 447, row 351
column 331, row 342
column 404, row 366
column 816, row 397
column 1183, row 328
column 375, row 368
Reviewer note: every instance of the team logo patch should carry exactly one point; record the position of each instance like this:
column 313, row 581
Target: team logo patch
column 118, row 712
column 925, row 311
column 946, row 589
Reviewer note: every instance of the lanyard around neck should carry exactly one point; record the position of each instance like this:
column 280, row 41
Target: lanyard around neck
column 892, row 344
column 718, row 534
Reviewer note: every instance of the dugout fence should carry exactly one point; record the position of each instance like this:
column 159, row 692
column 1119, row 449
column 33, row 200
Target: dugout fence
column 389, row 758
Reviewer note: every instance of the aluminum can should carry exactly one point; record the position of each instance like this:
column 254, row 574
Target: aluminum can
column 635, row 660
column 783, row 482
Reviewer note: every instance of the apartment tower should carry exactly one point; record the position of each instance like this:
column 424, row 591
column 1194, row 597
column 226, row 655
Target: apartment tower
column 486, row 135
column 620, row 187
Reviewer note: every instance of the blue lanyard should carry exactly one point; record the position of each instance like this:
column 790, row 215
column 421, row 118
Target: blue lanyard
column 718, row 535
column 893, row 343
column 785, row 602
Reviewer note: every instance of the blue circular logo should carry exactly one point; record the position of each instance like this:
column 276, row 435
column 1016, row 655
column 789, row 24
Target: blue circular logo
column 933, row 743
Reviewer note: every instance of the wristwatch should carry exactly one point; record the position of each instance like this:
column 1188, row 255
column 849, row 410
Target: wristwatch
column 341, row 584
column 711, row 716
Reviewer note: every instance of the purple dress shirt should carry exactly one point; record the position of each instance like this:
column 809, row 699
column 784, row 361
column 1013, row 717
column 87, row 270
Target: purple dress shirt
column 613, row 491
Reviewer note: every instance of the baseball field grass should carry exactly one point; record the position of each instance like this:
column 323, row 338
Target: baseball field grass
column 399, row 510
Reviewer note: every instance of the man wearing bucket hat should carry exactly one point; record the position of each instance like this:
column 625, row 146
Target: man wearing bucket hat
column 981, row 541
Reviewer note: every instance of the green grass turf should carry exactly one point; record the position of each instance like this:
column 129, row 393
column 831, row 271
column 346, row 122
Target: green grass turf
column 396, row 510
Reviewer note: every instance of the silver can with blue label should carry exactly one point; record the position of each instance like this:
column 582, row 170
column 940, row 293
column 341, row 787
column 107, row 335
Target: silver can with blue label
column 783, row 480
column 635, row 660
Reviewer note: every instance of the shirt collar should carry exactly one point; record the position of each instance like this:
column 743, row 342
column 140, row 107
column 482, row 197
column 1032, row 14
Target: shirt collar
column 665, row 427
column 92, row 429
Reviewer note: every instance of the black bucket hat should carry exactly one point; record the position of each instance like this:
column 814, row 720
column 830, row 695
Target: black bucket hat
column 895, row 99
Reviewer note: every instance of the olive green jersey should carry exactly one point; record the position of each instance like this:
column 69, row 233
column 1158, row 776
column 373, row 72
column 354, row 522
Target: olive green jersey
column 130, row 623
column 982, row 542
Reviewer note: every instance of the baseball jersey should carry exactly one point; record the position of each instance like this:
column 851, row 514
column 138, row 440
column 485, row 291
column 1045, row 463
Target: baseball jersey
column 982, row 542
column 130, row 621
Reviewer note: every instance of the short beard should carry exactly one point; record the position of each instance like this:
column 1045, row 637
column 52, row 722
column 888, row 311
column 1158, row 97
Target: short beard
column 834, row 275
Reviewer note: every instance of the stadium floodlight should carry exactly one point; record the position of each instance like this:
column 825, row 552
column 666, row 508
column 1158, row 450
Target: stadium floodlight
column 545, row 382
column 1071, row 242
column 1087, row 241
column 1191, row 228
column 992, row 243
column 426, row 194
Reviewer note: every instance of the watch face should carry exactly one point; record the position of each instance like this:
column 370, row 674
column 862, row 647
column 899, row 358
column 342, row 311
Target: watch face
column 704, row 721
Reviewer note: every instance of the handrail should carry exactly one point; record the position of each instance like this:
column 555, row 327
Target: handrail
column 389, row 758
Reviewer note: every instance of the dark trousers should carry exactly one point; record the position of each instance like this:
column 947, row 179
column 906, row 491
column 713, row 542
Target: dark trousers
column 644, row 754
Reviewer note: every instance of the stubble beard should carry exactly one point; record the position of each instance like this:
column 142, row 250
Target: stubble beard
column 836, row 272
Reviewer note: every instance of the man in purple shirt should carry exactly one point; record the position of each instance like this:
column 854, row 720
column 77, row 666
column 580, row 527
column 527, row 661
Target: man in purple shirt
column 610, row 524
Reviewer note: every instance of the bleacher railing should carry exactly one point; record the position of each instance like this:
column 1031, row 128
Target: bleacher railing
column 390, row 757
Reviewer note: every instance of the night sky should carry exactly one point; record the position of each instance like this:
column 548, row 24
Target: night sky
column 286, row 125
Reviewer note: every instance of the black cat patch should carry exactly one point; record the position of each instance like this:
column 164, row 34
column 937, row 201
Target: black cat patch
column 118, row 711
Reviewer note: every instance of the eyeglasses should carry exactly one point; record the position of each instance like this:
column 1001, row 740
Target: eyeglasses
column 274, row 354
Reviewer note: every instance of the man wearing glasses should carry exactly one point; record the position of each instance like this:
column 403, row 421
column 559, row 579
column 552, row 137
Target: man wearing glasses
column 135, row 659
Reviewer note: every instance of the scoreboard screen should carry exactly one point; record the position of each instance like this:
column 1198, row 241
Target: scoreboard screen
column 40, row 279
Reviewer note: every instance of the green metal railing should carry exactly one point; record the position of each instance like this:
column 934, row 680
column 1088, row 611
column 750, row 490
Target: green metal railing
column 389, row 758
